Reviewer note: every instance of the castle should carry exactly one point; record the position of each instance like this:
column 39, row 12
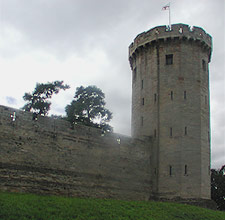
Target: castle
column 168, row 155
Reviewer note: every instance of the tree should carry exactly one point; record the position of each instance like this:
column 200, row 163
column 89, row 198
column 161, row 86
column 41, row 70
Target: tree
column 88, row 108
column 218, row 187
column 38, row 102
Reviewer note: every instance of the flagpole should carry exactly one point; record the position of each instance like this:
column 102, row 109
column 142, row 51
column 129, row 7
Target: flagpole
column 169, row 17
column 167, row 7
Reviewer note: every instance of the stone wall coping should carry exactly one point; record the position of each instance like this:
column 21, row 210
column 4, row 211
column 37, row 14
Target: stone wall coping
column 60, row 125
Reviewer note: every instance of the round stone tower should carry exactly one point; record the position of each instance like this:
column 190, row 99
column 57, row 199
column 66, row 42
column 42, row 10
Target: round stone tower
column 170, row 103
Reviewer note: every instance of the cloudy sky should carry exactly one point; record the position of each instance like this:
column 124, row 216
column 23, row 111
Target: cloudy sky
column 85, row 42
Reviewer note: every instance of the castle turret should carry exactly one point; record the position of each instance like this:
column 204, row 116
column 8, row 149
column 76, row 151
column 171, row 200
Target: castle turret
column 170, row 103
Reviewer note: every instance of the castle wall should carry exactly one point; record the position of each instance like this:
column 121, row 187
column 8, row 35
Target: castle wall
column 47, row 156
column 169, row 154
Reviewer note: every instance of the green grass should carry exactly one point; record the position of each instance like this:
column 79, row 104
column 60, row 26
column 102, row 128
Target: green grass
column 15, row 206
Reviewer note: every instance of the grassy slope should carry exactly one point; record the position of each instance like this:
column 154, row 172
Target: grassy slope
column 27, row 206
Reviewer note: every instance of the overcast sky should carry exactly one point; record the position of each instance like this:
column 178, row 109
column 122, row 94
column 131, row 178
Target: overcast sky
column 85, row 42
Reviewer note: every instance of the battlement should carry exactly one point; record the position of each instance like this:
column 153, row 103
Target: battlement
column 164, row 33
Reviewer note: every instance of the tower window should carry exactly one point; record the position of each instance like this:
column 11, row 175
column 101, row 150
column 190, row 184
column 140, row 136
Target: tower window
column 143, row 101
column 171, row 95
column 169, row 59
column 142, row 84
column 155, row 133
column 170, row 170
column 185, row 95
column 134, row 74
column 204, row 65
column 155, row 97
column 171, row 132
column 185, row 131
column 185, row 170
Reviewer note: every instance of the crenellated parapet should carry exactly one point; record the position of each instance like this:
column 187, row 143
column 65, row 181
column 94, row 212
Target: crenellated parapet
column 176, row 32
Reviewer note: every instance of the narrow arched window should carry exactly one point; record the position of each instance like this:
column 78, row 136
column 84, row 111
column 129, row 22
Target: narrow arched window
column 171, row 132
column 185, row 131
column 171, row 95
column 185, row 170
column 134, row 74
column 155, row 97
column 155, row 134
column 204, row 65
column 170, row 170
column 185, row 95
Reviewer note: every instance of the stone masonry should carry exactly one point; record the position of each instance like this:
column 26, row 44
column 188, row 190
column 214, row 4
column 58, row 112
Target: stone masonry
column 170, row 102
column 168, row 155
column 48, row 157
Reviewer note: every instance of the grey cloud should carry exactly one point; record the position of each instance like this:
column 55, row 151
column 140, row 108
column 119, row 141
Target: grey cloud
column 71, row 26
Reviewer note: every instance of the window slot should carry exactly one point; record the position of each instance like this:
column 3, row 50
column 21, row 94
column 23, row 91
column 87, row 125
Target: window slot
column 185, row 95
column 185, row 170
column 155, row 97
column 185, row 131
column 171, row 95
column 171, row 132
column 134, row 74
column 169, row 59
column 170, row 170
column 204, row 65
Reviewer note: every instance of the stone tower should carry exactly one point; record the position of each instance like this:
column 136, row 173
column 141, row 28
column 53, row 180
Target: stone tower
column 170, row 103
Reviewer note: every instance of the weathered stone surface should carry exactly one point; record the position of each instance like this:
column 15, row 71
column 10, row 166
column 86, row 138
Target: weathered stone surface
column 46, row 156
column 175, row 110
column 168, row 156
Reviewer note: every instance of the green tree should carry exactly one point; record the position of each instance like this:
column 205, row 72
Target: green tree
column 218, row 187
column 38, row 101
column 88, row 108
